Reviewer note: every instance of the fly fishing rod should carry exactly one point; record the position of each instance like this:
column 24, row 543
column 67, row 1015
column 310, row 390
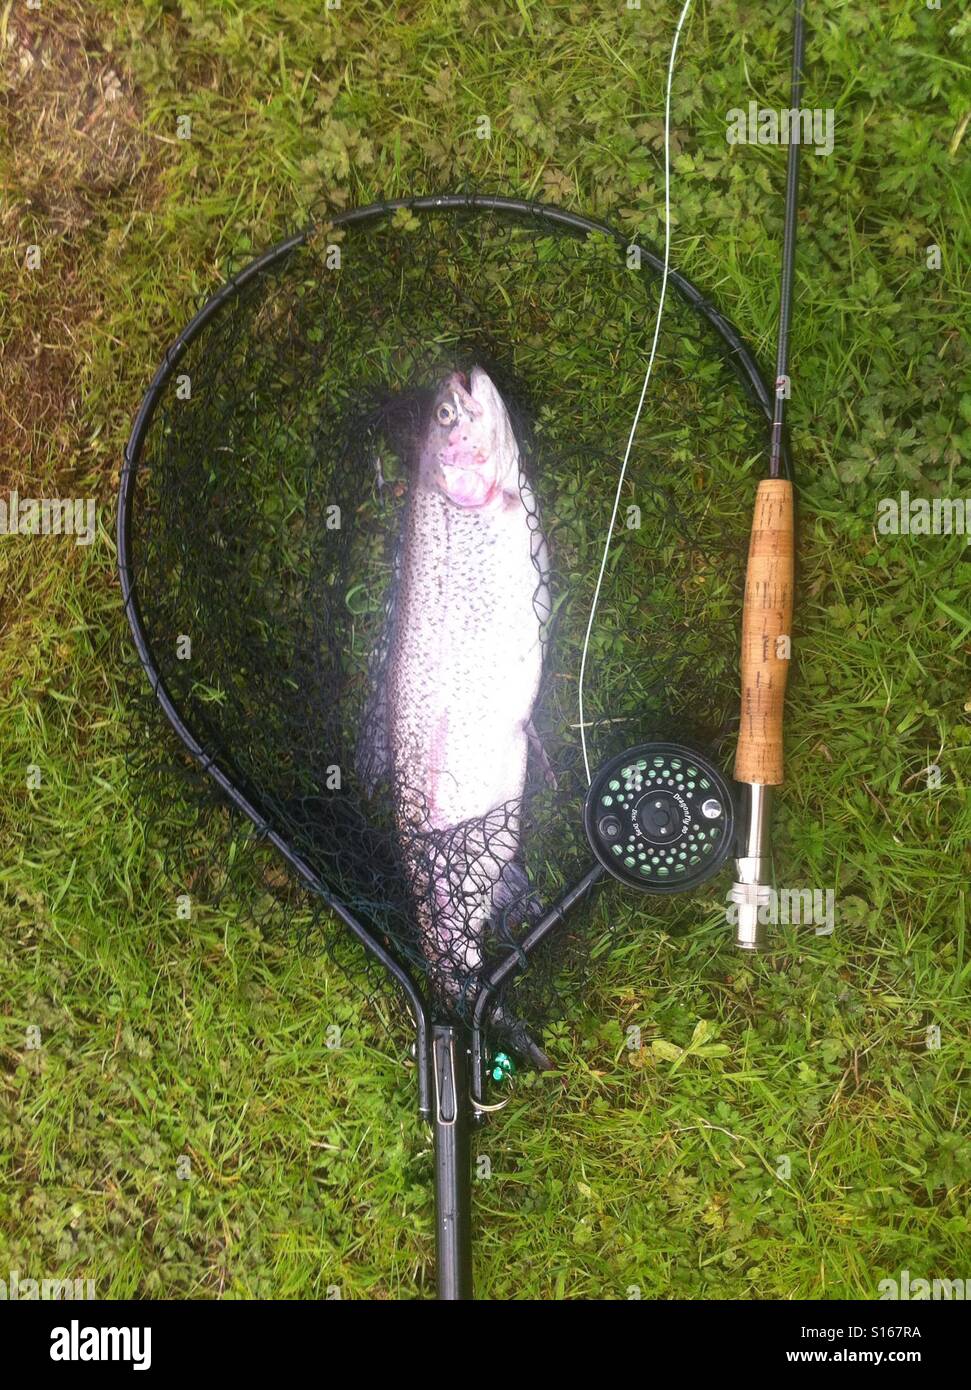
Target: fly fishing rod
column 660, row 817
column 767, row 611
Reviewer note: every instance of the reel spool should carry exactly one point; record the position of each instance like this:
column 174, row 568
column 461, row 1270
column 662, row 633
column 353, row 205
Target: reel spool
column 660, row 817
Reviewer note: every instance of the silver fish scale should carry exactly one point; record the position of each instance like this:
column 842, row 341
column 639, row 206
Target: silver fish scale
column 466, row 658
column 463, row 673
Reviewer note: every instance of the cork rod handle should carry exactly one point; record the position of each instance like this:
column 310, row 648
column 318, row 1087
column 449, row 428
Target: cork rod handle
column 766, row 623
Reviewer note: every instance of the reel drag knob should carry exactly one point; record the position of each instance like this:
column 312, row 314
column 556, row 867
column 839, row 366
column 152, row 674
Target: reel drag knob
column 660, row 817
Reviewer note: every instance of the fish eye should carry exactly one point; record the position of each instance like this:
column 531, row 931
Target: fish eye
column 446, row 414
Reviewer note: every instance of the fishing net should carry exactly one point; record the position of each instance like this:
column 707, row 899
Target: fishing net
column 272, row 474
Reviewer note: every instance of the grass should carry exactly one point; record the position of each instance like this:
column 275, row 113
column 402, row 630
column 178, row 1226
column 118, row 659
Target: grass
column 808, row 1143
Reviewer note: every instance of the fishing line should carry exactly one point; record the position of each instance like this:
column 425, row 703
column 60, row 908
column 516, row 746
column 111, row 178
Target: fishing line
column 647, row 378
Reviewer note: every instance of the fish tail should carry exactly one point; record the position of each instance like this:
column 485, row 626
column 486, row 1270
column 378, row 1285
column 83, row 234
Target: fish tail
column 512, row 890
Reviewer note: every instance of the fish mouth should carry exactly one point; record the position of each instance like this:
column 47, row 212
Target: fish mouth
column 468, row 486
column 467, row 474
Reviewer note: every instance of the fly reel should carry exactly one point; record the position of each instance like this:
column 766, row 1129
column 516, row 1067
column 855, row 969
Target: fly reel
column 660, row 817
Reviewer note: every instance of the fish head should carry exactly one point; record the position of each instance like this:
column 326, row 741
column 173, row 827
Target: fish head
column 468, row 450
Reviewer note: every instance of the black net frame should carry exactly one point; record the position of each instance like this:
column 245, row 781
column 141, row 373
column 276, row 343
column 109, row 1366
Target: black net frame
column 278, row 700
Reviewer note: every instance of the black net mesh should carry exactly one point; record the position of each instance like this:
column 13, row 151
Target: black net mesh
column 306, row 610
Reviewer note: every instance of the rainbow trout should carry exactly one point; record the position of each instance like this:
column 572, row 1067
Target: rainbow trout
column 463, row 664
